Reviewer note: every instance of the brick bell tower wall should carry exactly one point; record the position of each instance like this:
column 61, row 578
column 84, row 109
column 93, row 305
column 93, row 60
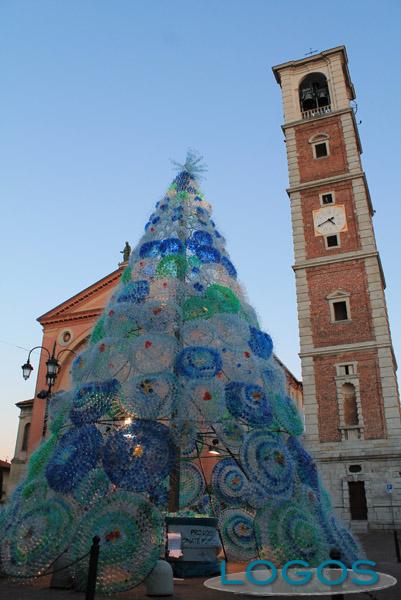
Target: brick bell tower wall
column 351, row 398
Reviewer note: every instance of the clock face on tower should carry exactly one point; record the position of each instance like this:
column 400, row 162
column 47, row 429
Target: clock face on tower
column 329, row 220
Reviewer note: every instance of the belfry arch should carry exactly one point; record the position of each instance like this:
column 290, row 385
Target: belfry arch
column 314, row 92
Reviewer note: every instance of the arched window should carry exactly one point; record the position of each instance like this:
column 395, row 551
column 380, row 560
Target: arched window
column 350, row 405
column 314, row 92
column 25, row 437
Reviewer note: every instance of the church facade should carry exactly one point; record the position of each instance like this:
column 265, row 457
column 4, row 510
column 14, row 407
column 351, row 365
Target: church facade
column 68, row 325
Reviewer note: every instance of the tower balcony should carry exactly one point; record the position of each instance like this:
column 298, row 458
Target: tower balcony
column 318, row 111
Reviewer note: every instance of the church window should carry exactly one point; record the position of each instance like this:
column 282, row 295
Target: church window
column 340, row 310
column 320, row 145
column 350, row 404
column 332, row 241
column 348, row 369
column 321, row 149
column 339, row 305
column 327, row 198
column 25, row 437
column 65, row 337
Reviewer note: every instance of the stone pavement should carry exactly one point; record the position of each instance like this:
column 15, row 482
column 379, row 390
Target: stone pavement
column 379, row 547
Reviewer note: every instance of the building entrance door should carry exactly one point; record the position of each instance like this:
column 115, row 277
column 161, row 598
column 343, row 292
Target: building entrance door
column 357, row 500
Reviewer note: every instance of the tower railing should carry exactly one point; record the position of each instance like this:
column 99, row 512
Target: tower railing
column 316, row 112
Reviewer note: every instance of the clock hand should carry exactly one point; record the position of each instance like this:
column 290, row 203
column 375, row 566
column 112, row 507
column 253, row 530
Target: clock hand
column 330, row 220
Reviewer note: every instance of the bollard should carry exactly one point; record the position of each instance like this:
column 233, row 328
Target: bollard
column 92, row 570
column 160, row 581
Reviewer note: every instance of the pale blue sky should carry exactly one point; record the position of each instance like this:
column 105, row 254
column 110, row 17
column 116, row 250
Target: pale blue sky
column 96, row 96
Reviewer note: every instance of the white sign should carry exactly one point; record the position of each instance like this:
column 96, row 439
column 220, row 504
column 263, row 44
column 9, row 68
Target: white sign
column 174, row 545
column 389, row 488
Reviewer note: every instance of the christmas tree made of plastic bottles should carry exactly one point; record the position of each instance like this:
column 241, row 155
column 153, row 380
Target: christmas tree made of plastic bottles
column 176, row 360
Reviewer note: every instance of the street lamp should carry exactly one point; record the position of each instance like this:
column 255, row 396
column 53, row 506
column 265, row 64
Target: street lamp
column 52, row 367
column 27, row 369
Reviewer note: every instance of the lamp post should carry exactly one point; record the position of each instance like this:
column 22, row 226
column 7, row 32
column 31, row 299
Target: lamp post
column 52, row 367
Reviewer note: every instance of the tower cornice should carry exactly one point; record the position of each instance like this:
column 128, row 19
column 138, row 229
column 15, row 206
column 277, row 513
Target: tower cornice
column 342, row 348
column 327, row 181
column 316, row 118
column 337, row 258
column 307, row 60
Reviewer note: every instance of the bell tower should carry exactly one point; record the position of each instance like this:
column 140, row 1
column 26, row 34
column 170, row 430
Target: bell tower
column 351, row 400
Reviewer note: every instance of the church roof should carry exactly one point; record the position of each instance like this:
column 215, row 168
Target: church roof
column 25, row 403
column 87, row 304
